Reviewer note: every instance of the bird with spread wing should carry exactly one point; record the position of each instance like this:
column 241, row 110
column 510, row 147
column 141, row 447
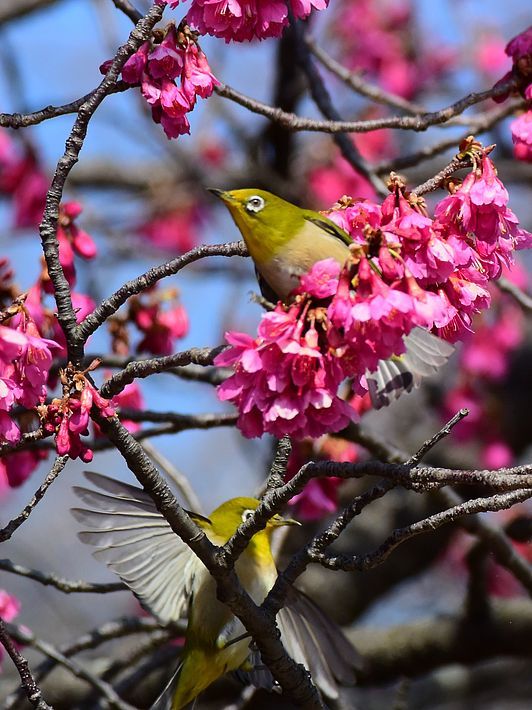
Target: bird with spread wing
column 138, row 544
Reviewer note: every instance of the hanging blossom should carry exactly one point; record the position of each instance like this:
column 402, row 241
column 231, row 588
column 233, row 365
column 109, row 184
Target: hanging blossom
column 244, row 20
column 72, row 241
column 68, row 417
column 171, row 74
column 405, row 270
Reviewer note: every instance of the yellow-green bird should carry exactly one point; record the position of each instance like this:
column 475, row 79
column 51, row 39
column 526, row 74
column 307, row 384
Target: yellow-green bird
column 284, row 242
column 137, row 543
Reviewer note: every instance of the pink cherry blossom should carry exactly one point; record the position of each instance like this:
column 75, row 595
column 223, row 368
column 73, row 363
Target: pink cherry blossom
column 68, row 418
column 171, row 74
column 244, row 20
column 405, row 270
column 283, row 383
column 9, row 606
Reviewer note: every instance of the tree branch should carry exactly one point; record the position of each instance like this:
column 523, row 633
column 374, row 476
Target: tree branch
column 32, row 690
column 7, row 531
column 108, row 307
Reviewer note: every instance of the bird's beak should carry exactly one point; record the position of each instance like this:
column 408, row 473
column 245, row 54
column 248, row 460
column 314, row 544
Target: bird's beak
column 278, row 521
column 224, row 196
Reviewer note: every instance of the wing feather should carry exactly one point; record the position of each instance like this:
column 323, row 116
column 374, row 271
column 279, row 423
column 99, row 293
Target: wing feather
column 138, row 544
column 425, row 354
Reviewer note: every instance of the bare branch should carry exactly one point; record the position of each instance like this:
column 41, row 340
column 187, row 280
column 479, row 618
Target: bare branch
column 7, row 531
column 140, row 369
column 32, row 690
column 355, row 81
column 522, row 298
column 63, row 585
column 419, row 122
column 26, row 637
column 477, row 505
column 108, row 307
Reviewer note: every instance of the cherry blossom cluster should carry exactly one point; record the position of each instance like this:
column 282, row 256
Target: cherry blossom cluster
column 68, row 417
column 171, row 74
column 405, row 270
column 484, row 362
column 244, row 20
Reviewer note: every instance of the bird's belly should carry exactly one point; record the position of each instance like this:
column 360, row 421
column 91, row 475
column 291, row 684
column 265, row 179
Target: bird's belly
column 283, row 271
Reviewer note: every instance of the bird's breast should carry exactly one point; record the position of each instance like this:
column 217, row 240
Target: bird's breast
column 283, row 270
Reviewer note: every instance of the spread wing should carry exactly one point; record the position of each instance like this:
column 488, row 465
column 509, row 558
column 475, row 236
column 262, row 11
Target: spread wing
column 136, row 542
column 328, row 226
column 315, row 641
column 425, row 354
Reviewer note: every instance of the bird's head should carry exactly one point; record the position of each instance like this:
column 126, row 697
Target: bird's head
column 266, row 221
column 230, row 515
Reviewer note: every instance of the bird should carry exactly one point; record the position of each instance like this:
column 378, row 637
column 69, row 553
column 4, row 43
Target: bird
column 285, row 241
column 138, row 544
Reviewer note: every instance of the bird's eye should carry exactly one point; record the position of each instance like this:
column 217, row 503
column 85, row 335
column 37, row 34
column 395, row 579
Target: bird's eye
column 246, row 515
column 255, row 204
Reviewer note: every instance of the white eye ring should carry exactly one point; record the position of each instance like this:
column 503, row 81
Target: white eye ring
column 246, row 515
column 255, row 204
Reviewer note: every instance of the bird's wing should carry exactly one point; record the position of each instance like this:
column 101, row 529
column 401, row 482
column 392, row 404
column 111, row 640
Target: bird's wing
column 425, row 354
column 328, row 226
column 314, row 640
column 137, row 543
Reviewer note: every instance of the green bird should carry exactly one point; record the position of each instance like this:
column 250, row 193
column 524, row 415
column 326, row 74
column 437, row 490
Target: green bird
column 285, row 241
column 138, row 544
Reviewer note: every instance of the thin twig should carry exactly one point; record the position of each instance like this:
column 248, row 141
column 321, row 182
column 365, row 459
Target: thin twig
column 108, row 307
column 63, row 585
column 7, row 531
column 26, row 637
column 436, row 438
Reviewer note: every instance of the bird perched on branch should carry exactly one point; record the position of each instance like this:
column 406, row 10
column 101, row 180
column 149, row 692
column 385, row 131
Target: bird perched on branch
column 285, row 241
column 137, row 543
